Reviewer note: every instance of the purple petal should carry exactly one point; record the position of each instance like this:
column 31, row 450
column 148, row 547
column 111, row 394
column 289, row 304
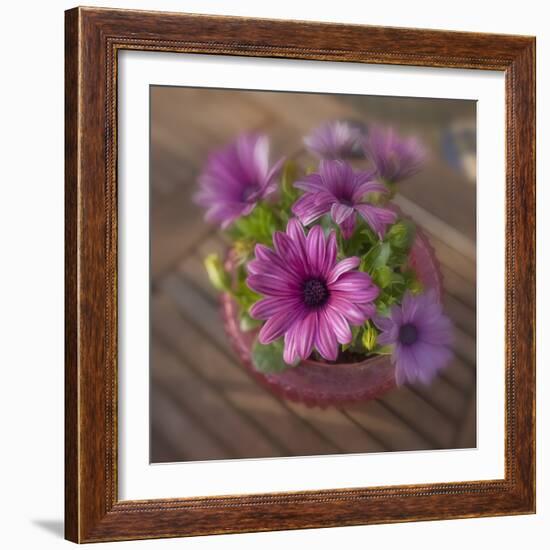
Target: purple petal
column 383, row 323
column 355, row 315
column 268, row 307
column 339, row 325
column 290, row 353
column 325, row 340
column 316, row 248
column 290, row 252
column 405, row 365
column 333, row 140
column 343, row 267
column 336, row 174
column 307, row 209
column 331, row 252
column 275, row 169
column 295, row 231
column 377, row 218
column 312, row 183
column 272, row 285
column 409, row 307
column 305, row 335
column 438, row 332
column 357, row 285
column 389, row 336
column 340, row 212
column 366, row 188
column 235, row 178
column 347, row 227
column 277, row 325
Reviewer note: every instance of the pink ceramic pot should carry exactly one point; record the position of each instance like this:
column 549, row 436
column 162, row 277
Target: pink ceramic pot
column 321, row 384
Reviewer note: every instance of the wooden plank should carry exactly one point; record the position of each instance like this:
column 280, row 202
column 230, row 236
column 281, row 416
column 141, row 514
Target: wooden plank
column 388, row 428
column 434, row 430
column 176, row 227
column 465, row 347
column 348, row 436
column 161, row 449
column 452, row 259
column 203, row 118
column 459, row 374
column 462, row 316
column 458, row 287
column 441, row 395
column 173, row 322
column 196, row 308
column 188, row 389
column 192, row 267
column 170, row 169
column 293, row 116
column 190, row 440
column 467, row 435
column 442, row 195
column 419, row 414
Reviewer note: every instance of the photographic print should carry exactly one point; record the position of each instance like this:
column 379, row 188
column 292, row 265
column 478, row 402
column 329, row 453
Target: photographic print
column 299, row 275
column 313, row 274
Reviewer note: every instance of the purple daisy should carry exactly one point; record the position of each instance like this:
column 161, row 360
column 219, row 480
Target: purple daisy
column 421, row 335
column 395, row 158
column 334, row 140
column 236, row 178
column 337, row 189
column 310, row 298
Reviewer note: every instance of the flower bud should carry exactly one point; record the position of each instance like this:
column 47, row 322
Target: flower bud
column 216, row 273
column 401, row 234
column 369, row 337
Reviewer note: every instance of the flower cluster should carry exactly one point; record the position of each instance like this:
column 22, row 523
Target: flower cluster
column 321, row 259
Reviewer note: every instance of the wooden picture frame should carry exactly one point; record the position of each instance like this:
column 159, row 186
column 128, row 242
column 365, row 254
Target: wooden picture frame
column 93, row 511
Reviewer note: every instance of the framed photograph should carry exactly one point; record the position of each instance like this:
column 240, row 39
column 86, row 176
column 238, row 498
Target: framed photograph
column 300, row 275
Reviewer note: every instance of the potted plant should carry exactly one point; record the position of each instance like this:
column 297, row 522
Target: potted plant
column 329, row 293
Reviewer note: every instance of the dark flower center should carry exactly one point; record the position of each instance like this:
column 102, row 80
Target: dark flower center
column 249, row 193
column 315, row 293
column 346, row 202
column 408, row 334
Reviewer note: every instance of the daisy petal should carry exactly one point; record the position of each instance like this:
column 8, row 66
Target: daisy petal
column 343, row 267
column 305, row 336
column 277, row 325
column 325, row 341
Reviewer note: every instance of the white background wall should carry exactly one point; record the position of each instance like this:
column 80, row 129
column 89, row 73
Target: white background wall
column 31, row 271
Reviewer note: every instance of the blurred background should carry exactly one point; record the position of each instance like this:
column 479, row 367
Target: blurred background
column 204, row 405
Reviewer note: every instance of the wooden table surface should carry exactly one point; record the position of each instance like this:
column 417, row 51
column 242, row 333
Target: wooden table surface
column 203, row 403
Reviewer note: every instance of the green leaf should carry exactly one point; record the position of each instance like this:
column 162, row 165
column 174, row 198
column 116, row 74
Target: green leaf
column 355, row 331
column 361, row 241
column 377, row 256
column 383, row 276
column 258, row 226
column 384, row 303
column 244, row 295
column 398, row 258
column 384, row 350
column 269, row 358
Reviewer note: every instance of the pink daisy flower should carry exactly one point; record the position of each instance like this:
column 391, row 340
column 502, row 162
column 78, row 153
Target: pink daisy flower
column 310, row 298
